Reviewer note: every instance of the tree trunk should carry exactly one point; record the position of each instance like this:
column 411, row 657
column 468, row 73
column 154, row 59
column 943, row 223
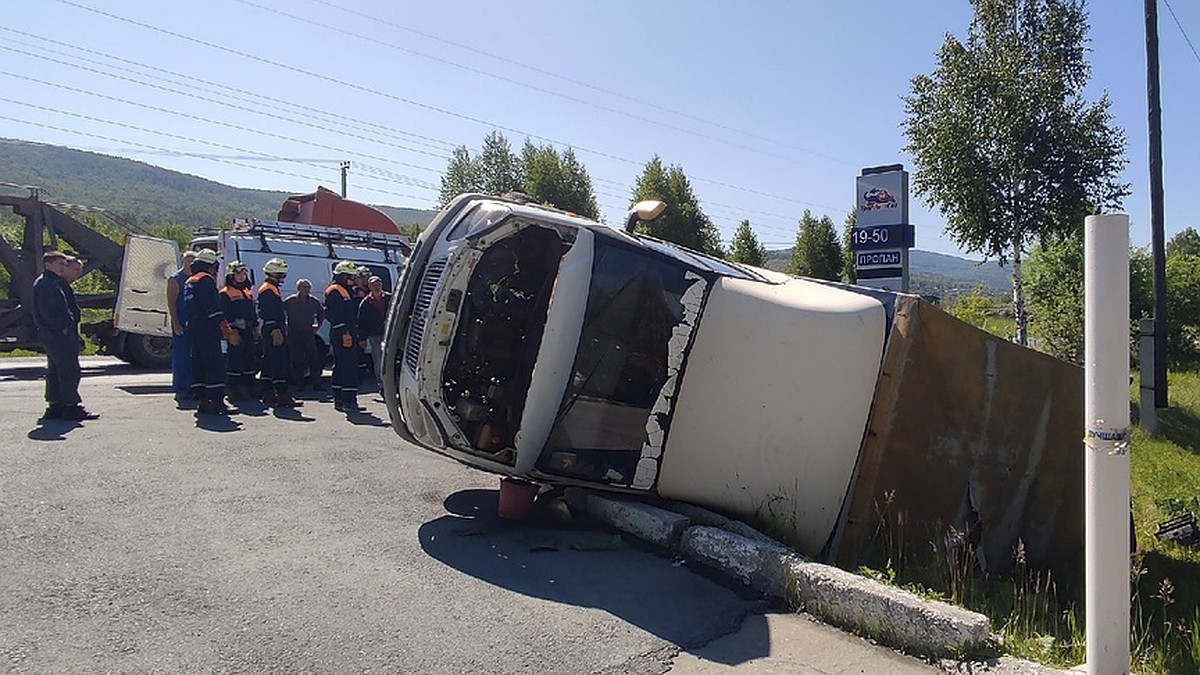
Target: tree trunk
column 1019, row 294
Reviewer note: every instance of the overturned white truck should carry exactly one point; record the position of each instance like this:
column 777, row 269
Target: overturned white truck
column 533, row 343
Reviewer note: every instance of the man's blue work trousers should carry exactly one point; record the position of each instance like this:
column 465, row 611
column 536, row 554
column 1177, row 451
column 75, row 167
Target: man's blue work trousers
column 181, row 365
column 344, row 382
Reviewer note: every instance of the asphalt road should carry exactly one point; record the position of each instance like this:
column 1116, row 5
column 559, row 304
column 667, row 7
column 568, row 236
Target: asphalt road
column 307, row 542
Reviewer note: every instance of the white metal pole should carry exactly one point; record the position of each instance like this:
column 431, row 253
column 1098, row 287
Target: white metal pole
column 1106, row 441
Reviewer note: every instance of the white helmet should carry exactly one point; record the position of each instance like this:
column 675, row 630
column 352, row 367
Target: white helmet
column 345, row 267
column 206, row 256
column 275, row 266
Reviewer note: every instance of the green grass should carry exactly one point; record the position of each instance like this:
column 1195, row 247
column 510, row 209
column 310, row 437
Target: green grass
column 1164, row 478
column 1000, row 326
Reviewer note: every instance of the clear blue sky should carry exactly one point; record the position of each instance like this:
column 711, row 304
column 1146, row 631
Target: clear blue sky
column 769, row 107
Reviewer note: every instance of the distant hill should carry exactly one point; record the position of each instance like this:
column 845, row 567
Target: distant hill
column 142, row 193
column 935, row 273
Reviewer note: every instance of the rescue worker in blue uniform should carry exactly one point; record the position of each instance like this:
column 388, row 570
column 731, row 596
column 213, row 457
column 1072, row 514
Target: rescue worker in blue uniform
column 237, row 302
column 274, row 327
column 181, row 350
column 341, row 310
column 204, row 327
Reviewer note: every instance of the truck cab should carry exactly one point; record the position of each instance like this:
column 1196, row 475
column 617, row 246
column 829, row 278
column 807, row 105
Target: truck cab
column 534, row 343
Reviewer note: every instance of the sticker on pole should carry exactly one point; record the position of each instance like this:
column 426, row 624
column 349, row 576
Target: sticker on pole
column 1115, row 441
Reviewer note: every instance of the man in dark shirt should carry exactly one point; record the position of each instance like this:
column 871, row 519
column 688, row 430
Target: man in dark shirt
column 56, row 317
column 305, row 314
column 372, row 315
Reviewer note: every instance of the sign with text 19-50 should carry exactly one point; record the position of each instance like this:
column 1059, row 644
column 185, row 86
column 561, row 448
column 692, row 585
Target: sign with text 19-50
column 882, row 235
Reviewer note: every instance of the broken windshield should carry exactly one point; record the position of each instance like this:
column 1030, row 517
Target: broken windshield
column 634, row 305
column 502, row 315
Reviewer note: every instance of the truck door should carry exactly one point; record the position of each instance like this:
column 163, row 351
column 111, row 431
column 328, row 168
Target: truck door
column 142, row 295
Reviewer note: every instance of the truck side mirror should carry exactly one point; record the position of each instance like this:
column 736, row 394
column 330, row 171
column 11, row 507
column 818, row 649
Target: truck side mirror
column 644, row 211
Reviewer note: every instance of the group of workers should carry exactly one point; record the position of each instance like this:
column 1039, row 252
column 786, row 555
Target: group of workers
column 260, row 326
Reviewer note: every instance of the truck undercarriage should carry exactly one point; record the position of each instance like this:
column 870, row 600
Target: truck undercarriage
column 48, row 228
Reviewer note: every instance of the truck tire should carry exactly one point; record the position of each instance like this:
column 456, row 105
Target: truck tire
column 148, row 351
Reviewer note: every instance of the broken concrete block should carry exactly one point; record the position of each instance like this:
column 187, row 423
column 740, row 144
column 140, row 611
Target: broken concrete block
column 655, row 525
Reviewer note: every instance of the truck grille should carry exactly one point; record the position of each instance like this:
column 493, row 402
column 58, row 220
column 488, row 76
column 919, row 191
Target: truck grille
column 420, row 314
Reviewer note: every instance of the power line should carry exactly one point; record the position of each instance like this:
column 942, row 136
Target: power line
column 217, row 88
column 541, row 71
column 400, row 99
column 212, row 159
column 1186, row 39
column 714, row 206
column 264, row 112
column 408, row 180
column 526, row 85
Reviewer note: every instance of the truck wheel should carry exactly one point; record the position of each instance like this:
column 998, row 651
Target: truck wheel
column 148, row 351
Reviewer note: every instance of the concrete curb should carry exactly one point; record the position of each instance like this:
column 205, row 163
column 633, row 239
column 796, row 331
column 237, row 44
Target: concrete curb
column 890, row 615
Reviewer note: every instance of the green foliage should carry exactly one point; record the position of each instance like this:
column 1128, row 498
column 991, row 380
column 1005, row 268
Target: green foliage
column 411, row 230
column 498, row 168
column 974, row 307
column 1003, row 142
column 817, row 253
column 541, row 172
column 558, row 180
column 461, row 175
column 746, row 248
column 849, row 265
column 1053, row 279
column 684, row 222
column 1186, row 241
column 1183, row 307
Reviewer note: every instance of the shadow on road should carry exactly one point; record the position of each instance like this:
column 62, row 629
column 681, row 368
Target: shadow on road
column 589, row 566
column 14, row 370
column 53, row 430
column 365, row 419
column 218, row 423
column 293, row 415
column 146, row 389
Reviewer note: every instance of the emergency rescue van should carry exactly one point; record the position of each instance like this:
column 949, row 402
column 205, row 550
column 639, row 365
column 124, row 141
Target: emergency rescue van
column 310, row 249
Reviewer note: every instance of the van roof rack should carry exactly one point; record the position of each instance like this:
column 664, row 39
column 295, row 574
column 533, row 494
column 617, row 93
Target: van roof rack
column 327, row 235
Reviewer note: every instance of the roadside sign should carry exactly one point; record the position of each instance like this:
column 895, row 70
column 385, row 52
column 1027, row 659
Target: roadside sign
column 866, row 259
column 882, row 235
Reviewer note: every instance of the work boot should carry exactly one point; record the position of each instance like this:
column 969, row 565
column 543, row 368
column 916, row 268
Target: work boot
column 211, row 407
column 77, row 413
column 285, row 400
column 270, row 397
column 53, row 412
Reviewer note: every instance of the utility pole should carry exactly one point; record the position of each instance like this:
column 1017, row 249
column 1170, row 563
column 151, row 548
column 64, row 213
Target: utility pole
column 1106, row 442
column 1157, row 244
column 345, row 170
